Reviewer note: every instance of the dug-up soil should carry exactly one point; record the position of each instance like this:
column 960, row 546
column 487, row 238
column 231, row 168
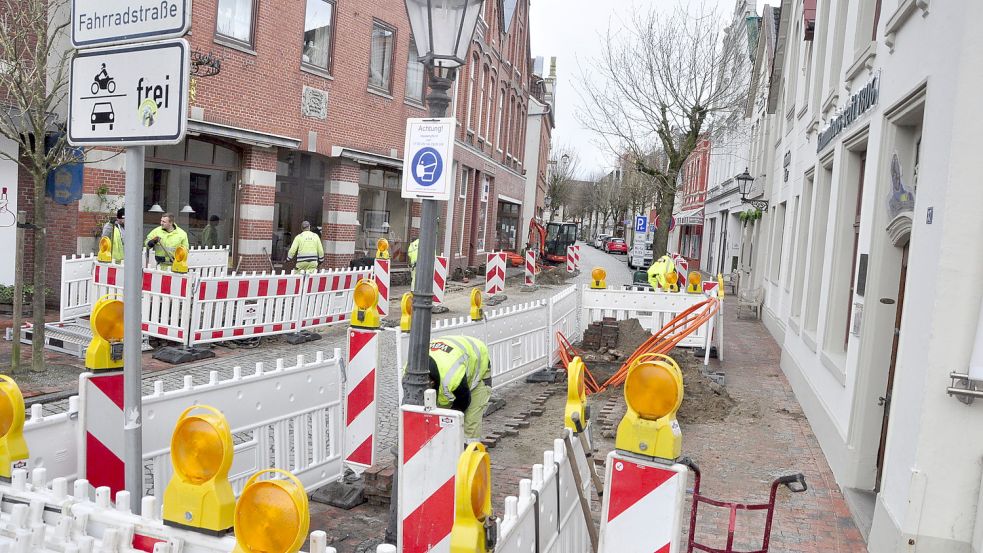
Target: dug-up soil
column 553, row 276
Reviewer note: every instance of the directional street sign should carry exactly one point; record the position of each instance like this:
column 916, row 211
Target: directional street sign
column 105, row 22
column 428, row 158
column 130, row 95
column 641, row 224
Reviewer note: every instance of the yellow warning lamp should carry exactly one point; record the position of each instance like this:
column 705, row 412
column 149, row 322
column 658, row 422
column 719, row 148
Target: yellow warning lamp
column 597, row 277
column 105, row 250
column 406, row 311
column 199, row 495
column 672, row 281
column 272, row 516
column 477, row 313
column 720, row 286
column 653, row 393
column 105, row 350
column 366, row 311
column 695, row 283
column 472, row 503
column 382, row 249
column 576, row 396
column 12, row 444
column 180, row 264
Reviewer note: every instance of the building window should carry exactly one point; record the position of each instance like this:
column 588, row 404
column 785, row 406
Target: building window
column 490, row 110
column 471, row 85
column 235, row 20
column 318, row 27
column 382, row 212
column 501, row 120
column 381, row 62
column 465, row 174
column 483, row 213
column 481, row 102
column 414, row 74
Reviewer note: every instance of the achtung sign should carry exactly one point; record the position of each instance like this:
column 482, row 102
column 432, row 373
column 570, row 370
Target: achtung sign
column 428, row 158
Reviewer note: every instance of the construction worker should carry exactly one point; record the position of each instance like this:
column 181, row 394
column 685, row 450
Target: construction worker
column 209, row 234
column 460, row 372
column 411, row 254
column 307, row 249
column 165, row 240
column 659, row 270
column 114, row 231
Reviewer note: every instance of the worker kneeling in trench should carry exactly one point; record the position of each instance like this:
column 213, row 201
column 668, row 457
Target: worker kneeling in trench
column 460, row 372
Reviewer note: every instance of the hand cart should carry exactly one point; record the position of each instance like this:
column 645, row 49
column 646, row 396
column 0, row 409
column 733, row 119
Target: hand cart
column 795, row 482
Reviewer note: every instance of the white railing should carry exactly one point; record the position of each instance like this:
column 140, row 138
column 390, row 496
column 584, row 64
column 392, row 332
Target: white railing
column 52, row 440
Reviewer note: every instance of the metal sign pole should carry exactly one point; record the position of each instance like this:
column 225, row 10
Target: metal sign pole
column 132, row 331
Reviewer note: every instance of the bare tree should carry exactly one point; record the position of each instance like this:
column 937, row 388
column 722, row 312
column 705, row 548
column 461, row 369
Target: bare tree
column 34, row 67
column 661, row 82
column 564, row 164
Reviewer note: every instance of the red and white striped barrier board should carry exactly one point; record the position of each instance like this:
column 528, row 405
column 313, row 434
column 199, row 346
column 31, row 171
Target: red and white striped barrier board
column 530, row 268
column 233, row 307
column 166, row 304
column 576, row 257
column 430, row 443
column 439, row 279
column 328, row 296
column 381, row 273
column 360, row 397
column 102, row 421
column 107, row 278
column 710, row 287
column 682, row 268
column 494, row 273
column 571, row 259
column 643, row 506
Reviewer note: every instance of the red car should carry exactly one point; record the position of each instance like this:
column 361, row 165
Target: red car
column 616, row 245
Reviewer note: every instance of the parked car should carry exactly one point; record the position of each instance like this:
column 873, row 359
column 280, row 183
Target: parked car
column 616, row 245
column 599, row 240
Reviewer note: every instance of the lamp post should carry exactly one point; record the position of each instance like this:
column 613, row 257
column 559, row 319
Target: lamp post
column 744, row 181
column 443, row 30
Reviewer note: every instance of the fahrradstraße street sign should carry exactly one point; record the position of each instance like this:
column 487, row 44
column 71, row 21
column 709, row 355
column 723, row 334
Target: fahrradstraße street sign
column 130, row 95
column 106, row 22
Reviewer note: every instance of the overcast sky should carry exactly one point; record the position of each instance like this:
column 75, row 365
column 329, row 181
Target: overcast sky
column 569, row 30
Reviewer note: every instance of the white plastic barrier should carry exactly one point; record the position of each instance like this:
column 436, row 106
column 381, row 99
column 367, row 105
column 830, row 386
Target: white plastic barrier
column 51, row 440
column 288, row 418
column 76, row 285
column 652, row 309
column 166, row 304
column 564, row 311
column 328, row 296
column 245, row 306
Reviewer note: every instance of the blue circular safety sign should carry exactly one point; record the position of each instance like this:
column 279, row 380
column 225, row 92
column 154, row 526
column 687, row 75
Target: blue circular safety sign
column 427, row 167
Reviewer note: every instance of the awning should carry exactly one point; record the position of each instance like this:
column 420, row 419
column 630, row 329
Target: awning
column 692, row 217
column 246, row 136
column 366, row 158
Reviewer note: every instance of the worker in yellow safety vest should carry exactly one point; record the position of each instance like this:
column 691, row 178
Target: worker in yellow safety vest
column 307, row 249
column 460, row 372
column 114, row 231
column 659, row 270
column 411, row 254
column 165, row 240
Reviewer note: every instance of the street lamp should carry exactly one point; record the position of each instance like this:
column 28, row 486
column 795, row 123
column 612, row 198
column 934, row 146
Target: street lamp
column 744, row 182
column 443, row 30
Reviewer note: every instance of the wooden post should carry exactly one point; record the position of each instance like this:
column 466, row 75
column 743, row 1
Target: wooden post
column 18, row 292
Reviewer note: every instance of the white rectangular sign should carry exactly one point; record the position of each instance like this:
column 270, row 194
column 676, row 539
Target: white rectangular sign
column 105, row 22
column 428, row 158
column 130, row 95
column 8, row 207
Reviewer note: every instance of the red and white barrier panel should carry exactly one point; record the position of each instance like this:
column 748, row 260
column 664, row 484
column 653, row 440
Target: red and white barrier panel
column 710, row 287
column 381, row 273
column 530, row 268
column 576, row 257
column 643, row 506
column 494, row 273
column 430, row 444
column 328, row 296
column 166, row 304
column 682, row 268
column 360, row 397
column 571, row 259
column 107, row 278
column 439, row 279
column 102, row 422
column 234, row 307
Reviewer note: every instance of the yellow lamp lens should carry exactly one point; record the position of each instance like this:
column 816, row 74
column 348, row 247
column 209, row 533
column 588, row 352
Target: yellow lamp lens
column 383, row 245
column 6, row 412
column 197, row 450
column 651, row 390
column 366, row 295
column 479, row 488
column 180, row 254
column 598, row 273
column 267, row 520
column 672, row 277
column 406, row 304
column 107, row 320
column 105, row 244
column 695, row 278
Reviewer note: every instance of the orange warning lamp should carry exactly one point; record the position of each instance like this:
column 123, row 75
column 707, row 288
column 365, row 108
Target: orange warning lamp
column 477, row 313
column 672, row 281
column 576, row 397
column 597, row 277
column 105, row 250
column 199, row 495
column 406, row 312
column 653, row 393
column 382, row 249
column 180, row 264
column 366, row 299
column 12, row 444
column 105, row 350
column 472, row 510
column 695, row 283
column 272, row 516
